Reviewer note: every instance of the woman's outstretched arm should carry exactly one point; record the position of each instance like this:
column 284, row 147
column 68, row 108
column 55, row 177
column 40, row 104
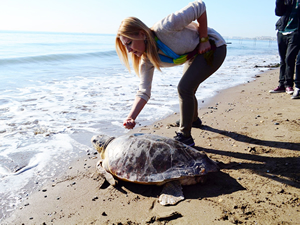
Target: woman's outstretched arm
column 137, row 107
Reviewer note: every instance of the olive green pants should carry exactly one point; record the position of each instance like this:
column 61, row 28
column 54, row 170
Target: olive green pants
column 194, row 74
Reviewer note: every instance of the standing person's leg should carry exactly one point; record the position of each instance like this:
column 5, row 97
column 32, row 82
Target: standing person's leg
column 297, row 77
column 195, row 118
column 291, row 54
column 296, row 93
column 282, row 47
column 196, row 73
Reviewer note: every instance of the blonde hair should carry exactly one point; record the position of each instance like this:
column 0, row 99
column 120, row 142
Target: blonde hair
column 130, row 28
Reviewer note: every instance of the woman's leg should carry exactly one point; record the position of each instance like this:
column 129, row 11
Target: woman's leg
column 185, row 68
column 194, row 75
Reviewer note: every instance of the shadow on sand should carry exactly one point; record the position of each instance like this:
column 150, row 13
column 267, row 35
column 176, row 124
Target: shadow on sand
column 217, row 184
column 282, row 169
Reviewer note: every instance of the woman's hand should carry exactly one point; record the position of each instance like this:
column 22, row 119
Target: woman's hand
column 137, row 106
column 204, row 47
column 129, row 123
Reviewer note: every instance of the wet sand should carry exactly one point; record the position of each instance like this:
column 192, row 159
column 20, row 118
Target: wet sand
column 252, row 134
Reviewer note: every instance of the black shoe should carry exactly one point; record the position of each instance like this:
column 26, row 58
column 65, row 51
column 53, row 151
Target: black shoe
column 196, row 124
column 185, row 140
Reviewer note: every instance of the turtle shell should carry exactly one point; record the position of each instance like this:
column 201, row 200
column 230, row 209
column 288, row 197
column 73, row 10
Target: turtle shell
column 148, row 158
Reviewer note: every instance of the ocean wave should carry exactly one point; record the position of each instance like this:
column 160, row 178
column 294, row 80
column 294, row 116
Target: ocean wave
column 56, row 57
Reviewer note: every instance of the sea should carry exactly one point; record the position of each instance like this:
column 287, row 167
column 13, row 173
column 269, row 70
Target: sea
column 57, row 90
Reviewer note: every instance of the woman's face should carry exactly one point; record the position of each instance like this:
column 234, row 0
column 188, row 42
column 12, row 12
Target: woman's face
column 137, row 47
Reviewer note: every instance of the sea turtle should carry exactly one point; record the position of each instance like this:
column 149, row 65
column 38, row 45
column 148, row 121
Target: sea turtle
column 152, row 159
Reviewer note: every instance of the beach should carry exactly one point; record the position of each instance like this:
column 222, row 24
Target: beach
column 253, row 135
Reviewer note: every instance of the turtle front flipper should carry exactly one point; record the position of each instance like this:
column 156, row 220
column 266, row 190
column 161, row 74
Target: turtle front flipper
column 171, row 193
column 108, row 177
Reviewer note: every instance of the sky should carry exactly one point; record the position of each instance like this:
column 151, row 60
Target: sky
column 230, row 18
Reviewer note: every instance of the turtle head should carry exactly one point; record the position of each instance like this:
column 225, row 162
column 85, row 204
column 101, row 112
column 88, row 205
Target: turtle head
column 100, row 142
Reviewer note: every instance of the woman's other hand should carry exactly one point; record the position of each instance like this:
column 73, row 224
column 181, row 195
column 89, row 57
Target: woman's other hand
column 204, row 47
column 129, row 123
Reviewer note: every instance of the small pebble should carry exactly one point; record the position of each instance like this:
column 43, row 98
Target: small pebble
column 276, row 123
column 95, row 198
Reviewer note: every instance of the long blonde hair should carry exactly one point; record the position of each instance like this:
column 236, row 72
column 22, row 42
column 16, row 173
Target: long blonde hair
column 130, row 28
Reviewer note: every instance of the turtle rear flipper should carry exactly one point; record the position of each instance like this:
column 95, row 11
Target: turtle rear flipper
column 108, row 177
column 171, row 193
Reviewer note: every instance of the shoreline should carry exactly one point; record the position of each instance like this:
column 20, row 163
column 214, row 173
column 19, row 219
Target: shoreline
column 255, row 142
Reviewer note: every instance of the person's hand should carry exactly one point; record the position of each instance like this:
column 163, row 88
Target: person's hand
column 204, row 47
column 129, row 123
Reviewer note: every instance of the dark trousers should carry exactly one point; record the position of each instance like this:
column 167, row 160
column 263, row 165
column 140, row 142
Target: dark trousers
column 288, row 47
column 194, row 73
column 297, row 77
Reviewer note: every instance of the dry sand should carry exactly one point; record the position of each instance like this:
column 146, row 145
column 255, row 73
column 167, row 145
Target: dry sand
column 252, row 134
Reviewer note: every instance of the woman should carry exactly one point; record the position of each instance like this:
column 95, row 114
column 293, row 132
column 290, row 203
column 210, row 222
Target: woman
column 175, row 40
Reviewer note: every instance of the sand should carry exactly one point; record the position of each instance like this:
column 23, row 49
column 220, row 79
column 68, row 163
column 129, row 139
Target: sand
column 252, row 134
